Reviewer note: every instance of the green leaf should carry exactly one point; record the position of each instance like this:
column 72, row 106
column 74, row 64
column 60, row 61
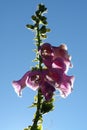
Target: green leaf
column 34, row 127
column 29, row 26
column 35, row 60
column 33, row 105
column 37, row 13
column 34, row 17
column 42, row 8
column 47, row 106
column 45, row 22
column 42, row 18
column 43, row 29
column 39, row 127
column 29, row 128
column 43, row 36
column 48, row 30
column 36, row 39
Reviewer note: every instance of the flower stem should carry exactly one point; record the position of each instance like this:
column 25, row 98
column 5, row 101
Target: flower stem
column 38, row 114
column 38, row 46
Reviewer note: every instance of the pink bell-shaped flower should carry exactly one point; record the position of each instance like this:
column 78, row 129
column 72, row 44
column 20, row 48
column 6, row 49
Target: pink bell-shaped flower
column 20, row 84
column 66, row 87
column 47, row 90
column 34, row 79
column 55, row 56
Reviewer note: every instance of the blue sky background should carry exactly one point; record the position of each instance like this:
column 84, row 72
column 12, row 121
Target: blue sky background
column 68, row 22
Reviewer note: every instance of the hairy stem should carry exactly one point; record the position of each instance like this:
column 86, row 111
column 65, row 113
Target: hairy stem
column 38, row 115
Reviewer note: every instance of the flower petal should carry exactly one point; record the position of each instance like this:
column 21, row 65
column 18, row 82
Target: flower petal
column 20, row 84
column 59, row 63
column 47, row 90
column 34, row 79
column 66, row 86
column 51, row 55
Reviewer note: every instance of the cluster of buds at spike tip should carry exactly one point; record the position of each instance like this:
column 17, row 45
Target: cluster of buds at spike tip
column 53, row 77
column 41, row 20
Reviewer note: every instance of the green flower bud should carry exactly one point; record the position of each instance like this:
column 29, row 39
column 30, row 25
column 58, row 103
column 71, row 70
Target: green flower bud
column 29, row 26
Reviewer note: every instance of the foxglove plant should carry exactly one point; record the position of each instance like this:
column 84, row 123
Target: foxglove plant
column 50, row 73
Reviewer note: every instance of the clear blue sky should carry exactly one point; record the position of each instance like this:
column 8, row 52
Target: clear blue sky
column 68, row 22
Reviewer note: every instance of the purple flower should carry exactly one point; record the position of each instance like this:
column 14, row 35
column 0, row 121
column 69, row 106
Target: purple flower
column 54, row 75
column 56, row 57
column 34, row 79
column 61, row 51
column 30, row 79
column 20, row 84
column 60, row 81
column 48, row 80
column 46, row 51
column 66, row 87
column 57, row 61
column 47, row 90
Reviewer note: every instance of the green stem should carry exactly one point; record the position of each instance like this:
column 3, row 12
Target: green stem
column 38, row 114
column 39, row 42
